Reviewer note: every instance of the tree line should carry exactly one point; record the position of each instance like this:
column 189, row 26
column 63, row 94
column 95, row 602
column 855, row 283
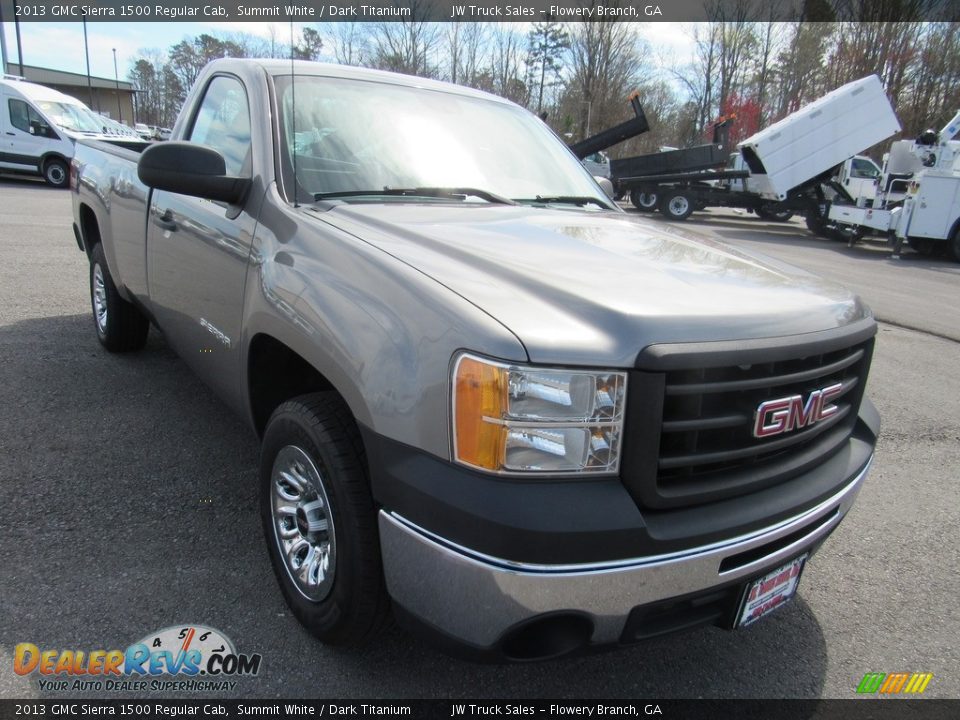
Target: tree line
column 579, row 75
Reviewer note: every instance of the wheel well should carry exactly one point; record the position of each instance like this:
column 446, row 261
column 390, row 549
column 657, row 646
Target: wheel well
column 276, row 374
column 89, row 229
column 53, row 156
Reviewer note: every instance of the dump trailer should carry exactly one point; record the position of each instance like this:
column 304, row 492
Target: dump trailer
column 786, row 168
column 918, row 196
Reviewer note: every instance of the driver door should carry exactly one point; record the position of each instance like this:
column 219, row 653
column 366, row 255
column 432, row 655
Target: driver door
column 197, row 250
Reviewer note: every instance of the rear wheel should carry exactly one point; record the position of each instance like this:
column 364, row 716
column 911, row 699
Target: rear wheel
column 320, row 521
column 955, row 245
column 644, row 199
column 924, row 246
column 56, row 173
column 772, row 212
column 120, row 326
column 676, row 205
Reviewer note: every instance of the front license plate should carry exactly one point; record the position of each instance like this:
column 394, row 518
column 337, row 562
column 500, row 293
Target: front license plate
column 766, row 594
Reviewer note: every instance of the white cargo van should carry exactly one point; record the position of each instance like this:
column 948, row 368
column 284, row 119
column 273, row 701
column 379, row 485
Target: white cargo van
column 39, row 127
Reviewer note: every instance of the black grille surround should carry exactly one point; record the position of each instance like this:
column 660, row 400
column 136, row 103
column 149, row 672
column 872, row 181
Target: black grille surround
column 692, row 407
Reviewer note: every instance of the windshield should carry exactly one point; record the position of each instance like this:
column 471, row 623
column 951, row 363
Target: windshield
column 71, row 117
column 352, row 135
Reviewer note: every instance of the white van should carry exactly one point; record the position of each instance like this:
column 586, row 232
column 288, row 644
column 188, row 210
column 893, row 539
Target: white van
column 39, row 127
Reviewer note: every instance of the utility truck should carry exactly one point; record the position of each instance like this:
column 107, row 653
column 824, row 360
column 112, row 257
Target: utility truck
column 918, row 198
column 788, row 167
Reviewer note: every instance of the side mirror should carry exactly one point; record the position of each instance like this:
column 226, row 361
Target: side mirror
column 190, row 169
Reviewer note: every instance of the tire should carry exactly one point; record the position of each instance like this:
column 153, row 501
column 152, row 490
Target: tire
column 815, row 223
column 119, row 325
column 676, row 205
column 769, row 212
column 923, row 246
column 644, row 199
column 56, row 173
column 325, row 548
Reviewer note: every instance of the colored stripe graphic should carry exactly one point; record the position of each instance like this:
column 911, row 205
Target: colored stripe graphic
column 871, row 683
column 894, row 683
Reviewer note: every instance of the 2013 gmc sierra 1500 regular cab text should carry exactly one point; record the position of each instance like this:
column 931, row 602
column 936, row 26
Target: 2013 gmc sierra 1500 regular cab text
column 486, row 396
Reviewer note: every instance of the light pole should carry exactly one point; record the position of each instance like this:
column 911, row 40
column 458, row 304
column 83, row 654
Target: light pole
column 589, row 105
column 116, row 78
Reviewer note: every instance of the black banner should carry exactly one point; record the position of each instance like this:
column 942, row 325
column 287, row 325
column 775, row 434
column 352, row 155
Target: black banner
column 309, row 11
column 863, row 709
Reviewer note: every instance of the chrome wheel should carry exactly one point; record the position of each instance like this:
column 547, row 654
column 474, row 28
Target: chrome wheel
column 99, row 299
column 303, row 523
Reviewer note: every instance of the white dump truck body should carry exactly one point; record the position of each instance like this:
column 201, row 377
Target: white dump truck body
column 819, row 136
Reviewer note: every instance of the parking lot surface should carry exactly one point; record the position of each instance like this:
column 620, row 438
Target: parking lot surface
column 128, row 504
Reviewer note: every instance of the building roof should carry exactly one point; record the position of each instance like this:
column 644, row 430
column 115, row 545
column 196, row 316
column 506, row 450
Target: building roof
column 46, row 76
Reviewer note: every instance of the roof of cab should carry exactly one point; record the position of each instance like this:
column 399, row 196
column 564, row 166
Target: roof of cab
column 306, row 68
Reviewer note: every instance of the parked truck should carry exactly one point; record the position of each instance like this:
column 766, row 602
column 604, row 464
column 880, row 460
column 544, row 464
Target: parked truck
column 918, row 195
column 788, row 167
column 486, row 396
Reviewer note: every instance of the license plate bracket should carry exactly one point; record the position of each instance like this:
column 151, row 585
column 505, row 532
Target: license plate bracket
column 769, row 592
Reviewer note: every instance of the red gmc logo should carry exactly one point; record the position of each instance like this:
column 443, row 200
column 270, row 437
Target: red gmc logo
column 790, row 413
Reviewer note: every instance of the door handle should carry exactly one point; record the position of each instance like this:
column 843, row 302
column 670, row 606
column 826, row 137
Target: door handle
column 11, row 134
column 165, row 220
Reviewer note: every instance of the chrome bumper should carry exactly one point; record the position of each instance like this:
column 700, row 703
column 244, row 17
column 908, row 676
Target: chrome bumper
column 474, row 598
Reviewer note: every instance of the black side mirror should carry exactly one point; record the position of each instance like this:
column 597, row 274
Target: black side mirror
column 190, row 169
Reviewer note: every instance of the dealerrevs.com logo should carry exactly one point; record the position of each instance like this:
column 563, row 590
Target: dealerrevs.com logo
column 178, row 658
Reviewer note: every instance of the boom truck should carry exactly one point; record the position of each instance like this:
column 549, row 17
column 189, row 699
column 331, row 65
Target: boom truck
column 918, row 195
column 788, row 167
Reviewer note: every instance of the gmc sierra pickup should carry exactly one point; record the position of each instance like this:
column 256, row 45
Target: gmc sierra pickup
column 487, row 397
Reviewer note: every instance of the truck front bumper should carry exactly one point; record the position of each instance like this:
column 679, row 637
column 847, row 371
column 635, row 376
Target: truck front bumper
column 488, row 607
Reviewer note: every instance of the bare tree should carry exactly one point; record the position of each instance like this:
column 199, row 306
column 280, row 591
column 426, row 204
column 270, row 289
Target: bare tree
column 350, row 42
column 409, row 45
column 607, row 60
column 507, row 68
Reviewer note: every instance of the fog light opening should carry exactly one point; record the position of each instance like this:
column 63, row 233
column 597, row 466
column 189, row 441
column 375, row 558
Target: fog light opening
column 547, row 636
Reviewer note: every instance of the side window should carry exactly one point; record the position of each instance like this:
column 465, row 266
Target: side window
column 223, row 123
column 19, row 116
column 864, row 169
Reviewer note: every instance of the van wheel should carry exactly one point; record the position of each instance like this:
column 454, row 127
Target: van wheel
column 320, row 521
column 676, row 205
column 56, row 173
column 955, row 245
column 120, row 326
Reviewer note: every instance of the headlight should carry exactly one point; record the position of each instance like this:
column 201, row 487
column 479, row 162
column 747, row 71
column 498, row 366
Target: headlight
column 521, row 419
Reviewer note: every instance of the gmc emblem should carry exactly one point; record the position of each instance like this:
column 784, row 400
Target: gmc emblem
column 774, row 417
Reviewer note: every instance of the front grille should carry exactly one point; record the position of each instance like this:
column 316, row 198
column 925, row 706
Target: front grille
column 706, row 449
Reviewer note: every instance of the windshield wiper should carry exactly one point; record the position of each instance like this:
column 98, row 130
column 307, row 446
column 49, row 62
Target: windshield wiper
column 578, row 200
column 459, row 193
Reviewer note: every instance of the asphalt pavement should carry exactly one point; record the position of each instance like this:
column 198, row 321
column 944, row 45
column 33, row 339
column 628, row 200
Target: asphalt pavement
column 128, row 504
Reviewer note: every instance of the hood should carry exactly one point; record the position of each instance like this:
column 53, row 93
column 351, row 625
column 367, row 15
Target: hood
column 579, row 287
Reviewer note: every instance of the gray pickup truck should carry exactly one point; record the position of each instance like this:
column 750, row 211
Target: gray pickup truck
column 530, row 423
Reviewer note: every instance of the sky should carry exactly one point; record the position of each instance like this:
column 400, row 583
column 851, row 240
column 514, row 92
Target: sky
column 59, row 46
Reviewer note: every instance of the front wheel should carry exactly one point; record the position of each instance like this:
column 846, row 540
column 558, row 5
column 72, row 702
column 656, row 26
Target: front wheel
column 676, row 205
column 56, row 173
column 955, row 245
column 320, row 521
